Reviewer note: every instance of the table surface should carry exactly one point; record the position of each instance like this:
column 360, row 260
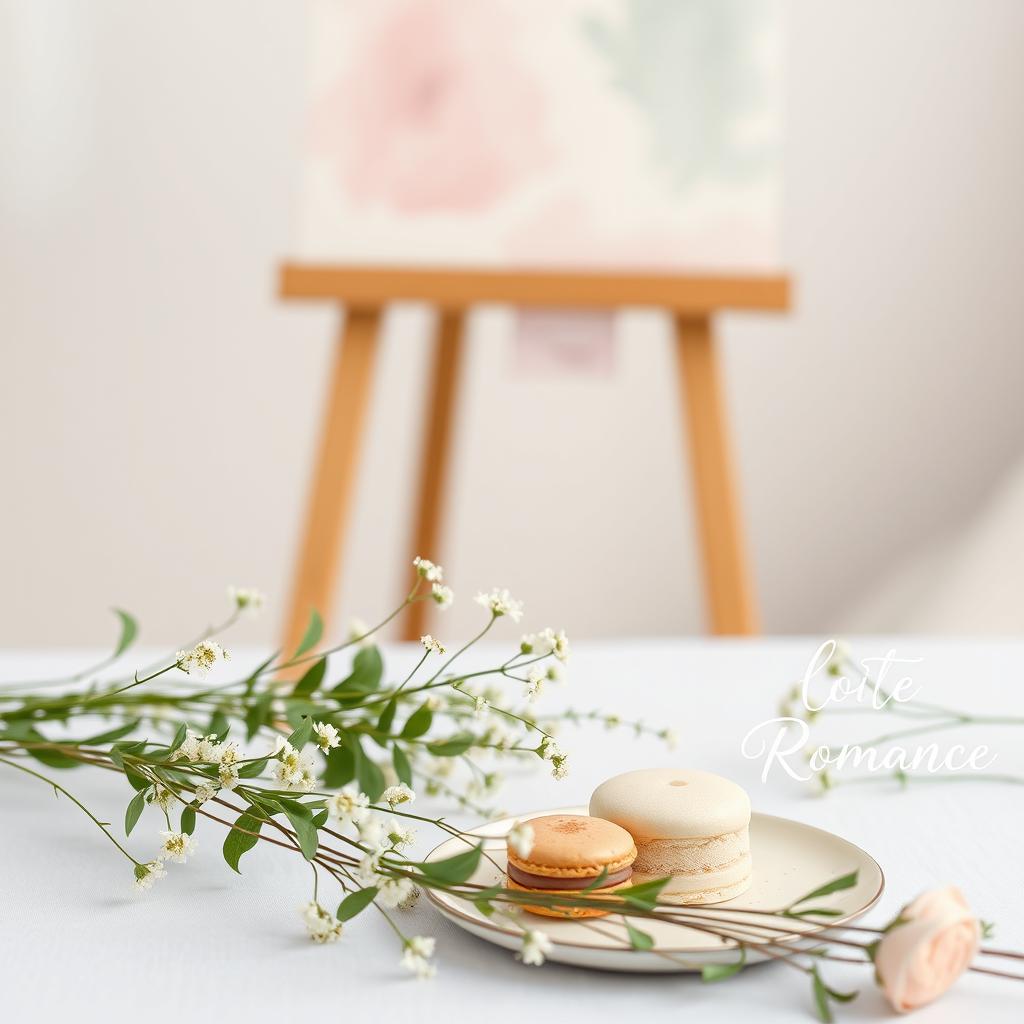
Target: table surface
column 76, row 940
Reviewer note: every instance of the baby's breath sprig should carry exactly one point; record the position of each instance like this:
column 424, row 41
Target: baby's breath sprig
column 610, row 720
column 322, row 761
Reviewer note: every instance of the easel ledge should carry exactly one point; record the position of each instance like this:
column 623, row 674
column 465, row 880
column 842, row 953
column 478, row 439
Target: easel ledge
column 364, row 292
column 456, row 288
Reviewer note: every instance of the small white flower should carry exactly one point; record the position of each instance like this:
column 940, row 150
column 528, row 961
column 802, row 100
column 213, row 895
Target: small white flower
column 534, row 683
column 228, row 776
column 209, row 749
column 417, row 954
column 201, row 658
column 164, row 798
column 549, row 749
column 204, row 791
column 392, row 891
column 189, row 749
column 326, row 736
column 246, row 599
column 520, row 838
column 670, row 737
column 147, row 874
column 536, row 946
column 501, row 602
column 550, row 642
column 400, row 835
column 480, row 707
column 443, row 596
column 427, row 570
column 400, row 794
column 410, row 900
column 432, row 645
column 422, row 945
column 559, row 766
column 322, row 927
column 367, row 870
column 295, row 769
column 434, row 702
column 358, row 632
column 371, row 831
column 348, row 807
column 177, row 846
column 228, row 753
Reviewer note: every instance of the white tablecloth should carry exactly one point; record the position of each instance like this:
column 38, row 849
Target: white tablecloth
column 77, row 944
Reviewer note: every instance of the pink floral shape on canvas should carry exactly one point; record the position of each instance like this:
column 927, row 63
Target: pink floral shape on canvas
column 435, row 113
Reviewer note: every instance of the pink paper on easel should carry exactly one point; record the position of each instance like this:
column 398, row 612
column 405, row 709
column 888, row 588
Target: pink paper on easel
column 558, row 341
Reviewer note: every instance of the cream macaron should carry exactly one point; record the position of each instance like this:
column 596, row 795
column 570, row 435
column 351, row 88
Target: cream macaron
column 569, row 853
column 691, row 825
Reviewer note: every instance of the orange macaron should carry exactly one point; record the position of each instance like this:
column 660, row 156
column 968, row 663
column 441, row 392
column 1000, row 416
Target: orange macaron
column 568, row 854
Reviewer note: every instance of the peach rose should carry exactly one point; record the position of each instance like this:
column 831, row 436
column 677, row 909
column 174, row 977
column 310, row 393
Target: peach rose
column 927, row 948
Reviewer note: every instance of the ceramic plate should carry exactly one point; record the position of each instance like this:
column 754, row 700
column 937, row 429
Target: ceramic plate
column 789, row 859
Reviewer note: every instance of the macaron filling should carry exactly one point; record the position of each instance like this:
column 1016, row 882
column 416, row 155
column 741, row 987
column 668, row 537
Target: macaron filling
column 546, row 882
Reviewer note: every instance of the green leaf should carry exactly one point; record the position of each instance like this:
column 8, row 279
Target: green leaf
column 490, row 893
column 253, row 768
column 371, row 778
column 219, row 725
column 129, row 630
column 179, row 738
column 311, row 679
column 111, row 734
column 418, row 723
column 312, row 635
column 365, row 677
column 645, row 895
column 719, row 972
column 188, row 820
column 301, row 818
column 639, row 939
column 258, row 714
column 820, row 911
column 134, row 812
column 597, row 882
column 53, row 758
column 355, row 902
column 254, row 676
column 135, row 780
column 402, row 767
column 453, row 746
column 453, row 869
column 820, row 996
column 298, row 708
column 238, row 842
column 836, row 885
column 302, row 735
column 387, row 716
column 341, row 767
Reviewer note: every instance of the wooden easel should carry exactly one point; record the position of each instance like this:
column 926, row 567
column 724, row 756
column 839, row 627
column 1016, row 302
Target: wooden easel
column 365, row 292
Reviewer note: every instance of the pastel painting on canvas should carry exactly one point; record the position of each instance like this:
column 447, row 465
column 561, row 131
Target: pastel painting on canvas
column 630, row 133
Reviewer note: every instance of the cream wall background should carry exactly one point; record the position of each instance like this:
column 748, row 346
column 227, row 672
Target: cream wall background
column 158, row 405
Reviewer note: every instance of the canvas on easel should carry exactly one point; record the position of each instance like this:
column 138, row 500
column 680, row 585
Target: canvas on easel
column 587, row 154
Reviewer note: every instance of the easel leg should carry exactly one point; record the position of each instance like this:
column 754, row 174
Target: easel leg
column 334, row 477
column 436, row 458
column 726, row 572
